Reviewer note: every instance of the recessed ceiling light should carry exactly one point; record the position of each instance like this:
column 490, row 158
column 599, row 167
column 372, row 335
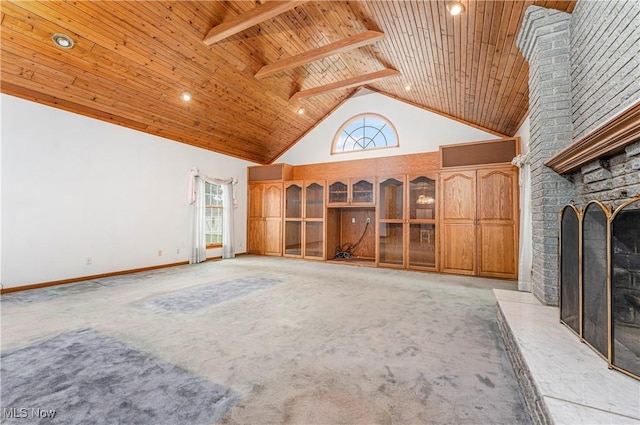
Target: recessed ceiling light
column 185, row 96
column 407, row 87
column 62, row 40
column 301, row 111
column 455, row 7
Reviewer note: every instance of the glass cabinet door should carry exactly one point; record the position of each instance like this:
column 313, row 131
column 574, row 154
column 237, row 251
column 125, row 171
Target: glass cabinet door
column 362, row 192
column 391, row 228
column 338, row 193
column 314, row 220
column 422, row 245
column 293, row 219
column 391, row 199
column 421, row 206
column 422, row 198
column 314, row 200
column 293, row 238
column 391, row 246
column 314, row 240
column 293, row 201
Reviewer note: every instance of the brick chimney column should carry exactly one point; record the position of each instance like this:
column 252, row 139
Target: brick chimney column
column 544, row 40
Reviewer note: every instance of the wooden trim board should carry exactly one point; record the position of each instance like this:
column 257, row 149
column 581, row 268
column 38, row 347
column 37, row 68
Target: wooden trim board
column 606, row 140
column 96, row 276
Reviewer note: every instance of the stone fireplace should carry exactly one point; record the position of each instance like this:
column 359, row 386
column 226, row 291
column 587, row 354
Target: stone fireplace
column 584, row 109
column 584, row 149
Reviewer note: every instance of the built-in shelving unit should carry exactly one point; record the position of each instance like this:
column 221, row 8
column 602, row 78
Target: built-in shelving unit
column 454, row 219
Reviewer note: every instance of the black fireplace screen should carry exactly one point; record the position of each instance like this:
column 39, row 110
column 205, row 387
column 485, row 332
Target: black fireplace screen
column 600, row 280
column 625, row 287
column 594, row 277
column 570, row 268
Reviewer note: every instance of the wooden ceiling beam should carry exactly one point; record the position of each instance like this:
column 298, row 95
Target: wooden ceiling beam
column 345, row 84
column 258, row 14
column 344, row 45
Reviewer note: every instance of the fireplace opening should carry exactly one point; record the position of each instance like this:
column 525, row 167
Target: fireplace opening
column 600, row 280
column 625, row 287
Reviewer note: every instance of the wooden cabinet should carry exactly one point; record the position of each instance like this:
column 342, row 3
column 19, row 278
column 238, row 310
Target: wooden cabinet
column 479, row 223
column 407, row 235
column 264, row 230
column 422, row 237
column 458, row 212
column 391, row 222
column 304, row 225
column 497, row 215
column 411, row 214
column 357, row 192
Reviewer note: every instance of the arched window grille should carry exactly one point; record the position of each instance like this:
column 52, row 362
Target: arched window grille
column 365, row 132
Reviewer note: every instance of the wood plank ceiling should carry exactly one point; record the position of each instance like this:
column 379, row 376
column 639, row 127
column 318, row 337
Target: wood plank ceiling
column 132, row 60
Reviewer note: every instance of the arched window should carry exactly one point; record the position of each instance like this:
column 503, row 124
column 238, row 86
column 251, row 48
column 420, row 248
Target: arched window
column 364, row 132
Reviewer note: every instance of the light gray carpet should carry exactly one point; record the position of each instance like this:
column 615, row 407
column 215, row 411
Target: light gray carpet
column 86, row 377
column 299, row 342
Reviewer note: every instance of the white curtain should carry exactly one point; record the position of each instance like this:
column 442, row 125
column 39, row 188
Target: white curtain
column 197, row 201
column 525, row 260
column 228, row 204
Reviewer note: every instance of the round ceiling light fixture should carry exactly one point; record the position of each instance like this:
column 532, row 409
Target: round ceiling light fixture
column 300, row 111
column 186, row 96
column 62, row 41
column 455, row 8
column 407, row 87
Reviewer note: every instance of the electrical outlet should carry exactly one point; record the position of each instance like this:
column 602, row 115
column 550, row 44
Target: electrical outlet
column 353, row 220
column 178, row 251
column 368, row 219
column 159, row 253
column 89, row 261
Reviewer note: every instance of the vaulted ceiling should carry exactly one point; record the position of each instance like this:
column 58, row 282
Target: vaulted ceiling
column 132, row 60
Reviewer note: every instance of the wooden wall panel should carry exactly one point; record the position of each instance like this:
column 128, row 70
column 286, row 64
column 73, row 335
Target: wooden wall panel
column 390, row 165
column 351, row 232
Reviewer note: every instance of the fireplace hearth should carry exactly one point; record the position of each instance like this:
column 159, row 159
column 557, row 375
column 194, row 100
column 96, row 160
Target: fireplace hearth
column 599, row 283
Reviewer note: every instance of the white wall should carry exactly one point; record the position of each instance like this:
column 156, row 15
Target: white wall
column 74, row 187
column 418, row 131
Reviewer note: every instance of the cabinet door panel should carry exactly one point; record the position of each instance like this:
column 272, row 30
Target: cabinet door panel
column 362, row 192
column 391, row 244
column 459, row 248
column 293, row 238
column 314, row 240
column 497, row 245
column 255, row 236
column 495, row 195
column 458, row 206
column 314, row 200
column 273, row 201
column 459, row 195
column 293, row 200
column 338, row 193
column 273, row 237
column 498, row 223
column 256, row 207
column 422, row 245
